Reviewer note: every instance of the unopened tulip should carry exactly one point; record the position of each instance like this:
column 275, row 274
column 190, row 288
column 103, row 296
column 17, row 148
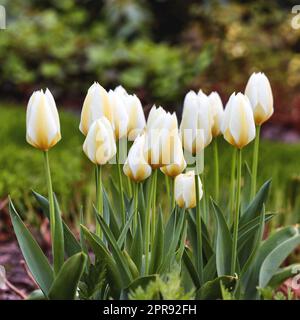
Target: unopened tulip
column 134, row 109
column 259, row 92
column 96, row 105
column 178, row 163
column 161, row 126
column 120, row 117
column 136, row 167
column 196, row 122
column 238, row 124
column 216, row 108
column 42, row 121
column 185, row 190
column 100, row 145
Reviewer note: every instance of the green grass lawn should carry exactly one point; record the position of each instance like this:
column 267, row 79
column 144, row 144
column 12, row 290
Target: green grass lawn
column 21, row 167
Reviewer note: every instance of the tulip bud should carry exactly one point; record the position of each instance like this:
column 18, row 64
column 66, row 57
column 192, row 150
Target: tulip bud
column 42, row 121
column 120, row 116
column 99, row 145
column 136, row 167
column 238, row 125
column 161, row 126
column 216, row 108
column 185, row 190
column 196, row 122
column 134, row 109
column 259, row 92
column 178, row 163
column 96, row 105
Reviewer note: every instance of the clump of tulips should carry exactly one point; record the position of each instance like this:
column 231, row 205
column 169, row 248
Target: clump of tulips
column 217, row 247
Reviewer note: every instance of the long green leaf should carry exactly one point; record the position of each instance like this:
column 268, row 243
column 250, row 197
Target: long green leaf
column 223, row 243
column 136, row 250
column 33, row 254
column 158, row 245
column 71, row 245
column 276, row 257
column 191, row 268
column 126, row 227
column 103, row 255
column 255, row 207
column 116, row 251
column 66, row 282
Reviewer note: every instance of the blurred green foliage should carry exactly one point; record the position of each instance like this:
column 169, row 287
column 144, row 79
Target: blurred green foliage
column 158, row 48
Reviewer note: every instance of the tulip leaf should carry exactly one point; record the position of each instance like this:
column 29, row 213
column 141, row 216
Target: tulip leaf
column 250, row 280
column 131, row 265
column 283, row 274
column 66, row 282
column 276, row 257
column 119, row 258
column 191, row 267
column 136, row 250
column 33, row 254
column 255, row 207
column 211, row 290
column 210, row 269
column 207, row 249
column 108, row 209
column 223, row 243
column 104, row 256
column 158, row 245
column 126, row 227
column 71, row 245
column 36, row 295
column 171, row 252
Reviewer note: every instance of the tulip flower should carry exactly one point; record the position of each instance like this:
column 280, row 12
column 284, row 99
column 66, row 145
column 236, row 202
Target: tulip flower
column 42, row 121
column 43, row 132
column 216, row 108
column 96, row 105
column 259, row 92
column 238, row 125
column 136, row 167
column 161, row 126
column 99, row 145
column 238, row 128
column 196, row 122
column 178, row 163
column 120, row 117
column 134, row 109
column 185, row 190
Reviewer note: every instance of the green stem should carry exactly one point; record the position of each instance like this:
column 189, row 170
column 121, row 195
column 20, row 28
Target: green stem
column 216, row 161
column 147, row 228
column 236, row 213
column 135, row 200
column 255, row 162
column 99, row 198
column 153, row 214
column 123, row 215
column 232, row 186
column 199, row 258
column 172, row 183
column 57, row 259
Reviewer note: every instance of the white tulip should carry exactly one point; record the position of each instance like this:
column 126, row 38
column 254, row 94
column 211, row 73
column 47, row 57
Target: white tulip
column 185, row 190
column 136, row 167
column 178, row 163
column 96, row 105
column 99, row 145
column 42, row 121
column 216, row 108
column 134, row 109
column 161, row 126
column 259, row 92
column 238, row 126
column 196, row 122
